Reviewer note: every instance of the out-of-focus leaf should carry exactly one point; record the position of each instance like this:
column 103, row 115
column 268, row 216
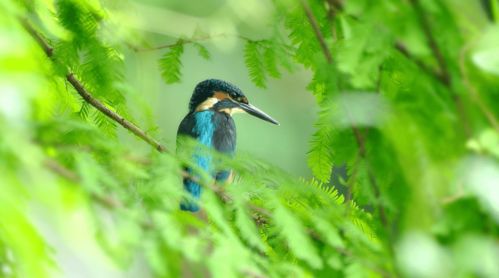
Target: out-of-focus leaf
column 296, row 237
column 202, row 51
column 170, row 63
column 486, row 54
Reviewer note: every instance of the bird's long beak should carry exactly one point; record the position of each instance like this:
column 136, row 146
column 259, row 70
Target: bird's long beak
column 250, row 109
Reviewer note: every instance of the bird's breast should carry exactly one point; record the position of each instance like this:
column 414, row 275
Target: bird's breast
column 211, row 128
column 224, row 136
column 204, row 127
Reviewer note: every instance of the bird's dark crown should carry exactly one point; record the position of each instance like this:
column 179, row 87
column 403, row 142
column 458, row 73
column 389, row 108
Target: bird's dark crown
column 215, row 88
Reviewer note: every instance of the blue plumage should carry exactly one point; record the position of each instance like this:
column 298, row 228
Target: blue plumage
column 204, row 129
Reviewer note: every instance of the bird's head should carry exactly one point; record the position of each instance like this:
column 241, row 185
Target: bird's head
column 224, row 97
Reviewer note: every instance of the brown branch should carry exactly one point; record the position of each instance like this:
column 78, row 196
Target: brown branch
column 38, row 38
column 60, row 170
column 113, row 115
column 83, row 92
column 425, row 24
column 456, row 98
column 315, row 26
column 404, row 51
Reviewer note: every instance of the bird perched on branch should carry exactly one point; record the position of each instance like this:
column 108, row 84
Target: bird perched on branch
column 210, row 122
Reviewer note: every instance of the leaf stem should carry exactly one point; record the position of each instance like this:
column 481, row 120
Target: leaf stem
column 315, row 26
column 189, row 41
column 443, row 75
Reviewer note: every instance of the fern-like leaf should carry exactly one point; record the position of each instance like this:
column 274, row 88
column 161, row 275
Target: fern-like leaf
column 170, row 63
column 320, row 156
column 202, row 51
column 270, row 60
column 295, row 234
column 254, row 63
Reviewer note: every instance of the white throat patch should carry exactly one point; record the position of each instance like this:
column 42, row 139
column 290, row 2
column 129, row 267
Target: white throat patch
column 232, row 111
column 207, row 104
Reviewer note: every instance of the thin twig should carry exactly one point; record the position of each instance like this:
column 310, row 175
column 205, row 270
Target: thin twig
column 106, row 201
column 111, row 114
column 170, row 45
column 189, row 41
column 60, row 170
column 444, row 74
column 403, row 49
column 38, row 38
column 425, row 24
column 315, row 26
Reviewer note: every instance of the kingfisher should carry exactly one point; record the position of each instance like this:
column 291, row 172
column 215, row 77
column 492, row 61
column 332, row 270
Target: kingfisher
column 209, row 121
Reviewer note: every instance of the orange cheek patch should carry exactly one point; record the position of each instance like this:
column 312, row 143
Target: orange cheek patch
column 220, row 95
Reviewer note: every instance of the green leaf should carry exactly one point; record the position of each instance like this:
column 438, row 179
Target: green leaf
column 254, row 63
column 296, row 236
column 202, row 51
column 486, row 54
column 270, row 61
column 320, row 156
column 247, row 228
column 328, row 231
column 170, row 63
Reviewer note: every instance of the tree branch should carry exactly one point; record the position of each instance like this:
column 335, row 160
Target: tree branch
column 38, row 38
column 404, row 51
column 83, row 92
column 111, row 114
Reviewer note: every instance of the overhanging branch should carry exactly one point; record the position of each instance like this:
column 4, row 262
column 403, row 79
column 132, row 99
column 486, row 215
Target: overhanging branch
column 318, row 34
column 87, row 96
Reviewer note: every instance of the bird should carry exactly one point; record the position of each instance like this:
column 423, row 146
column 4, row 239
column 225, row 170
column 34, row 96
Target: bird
column 209, row 121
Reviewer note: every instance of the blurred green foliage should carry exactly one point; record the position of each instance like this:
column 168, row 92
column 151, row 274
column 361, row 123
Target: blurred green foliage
column 406, row 97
